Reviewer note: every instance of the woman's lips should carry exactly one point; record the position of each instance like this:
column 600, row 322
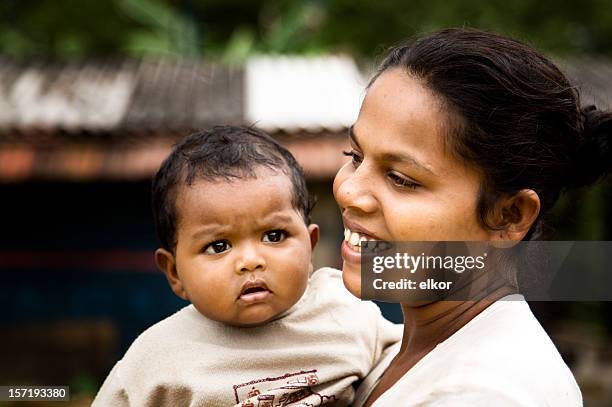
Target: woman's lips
column 357, row 228
column 354, row 236
column 349, row 254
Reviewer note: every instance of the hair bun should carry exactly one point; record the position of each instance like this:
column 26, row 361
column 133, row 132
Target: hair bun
column 594, row 153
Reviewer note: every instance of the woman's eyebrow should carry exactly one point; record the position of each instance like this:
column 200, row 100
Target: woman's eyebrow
column 395, row 157
column 352, row 136
column 406, row 159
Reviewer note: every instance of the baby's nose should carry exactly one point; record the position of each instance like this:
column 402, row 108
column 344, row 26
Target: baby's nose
column 250, row 259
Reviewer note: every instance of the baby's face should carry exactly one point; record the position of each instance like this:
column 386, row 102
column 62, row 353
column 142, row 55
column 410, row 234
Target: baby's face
column 243, row 253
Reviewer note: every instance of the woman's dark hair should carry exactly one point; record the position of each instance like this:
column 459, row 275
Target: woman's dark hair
column 512, row 112
column 222, row 153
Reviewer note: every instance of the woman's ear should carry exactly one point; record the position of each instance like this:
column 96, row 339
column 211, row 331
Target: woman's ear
column 166, row 264
column 516, row 214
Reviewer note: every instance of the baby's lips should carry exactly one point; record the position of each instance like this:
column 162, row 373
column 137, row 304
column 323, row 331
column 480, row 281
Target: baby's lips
column 254, row 286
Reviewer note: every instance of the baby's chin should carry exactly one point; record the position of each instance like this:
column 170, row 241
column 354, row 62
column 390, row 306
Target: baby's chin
column 256, row 316
column 351, row 279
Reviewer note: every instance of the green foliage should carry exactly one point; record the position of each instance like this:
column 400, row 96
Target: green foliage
column 165, row 31
column 568, row 27
column 61, row 29
column 584, row 214
column 234, row 29
column 84, row 383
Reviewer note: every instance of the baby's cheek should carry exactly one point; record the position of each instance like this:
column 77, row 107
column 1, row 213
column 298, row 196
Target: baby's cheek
column 299, row 275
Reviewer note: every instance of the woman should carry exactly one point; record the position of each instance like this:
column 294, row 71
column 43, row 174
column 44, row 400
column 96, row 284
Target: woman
column 467, row 136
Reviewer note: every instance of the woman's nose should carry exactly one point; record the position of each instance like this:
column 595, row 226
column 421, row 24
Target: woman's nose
column 250, row 259
column 353, row 191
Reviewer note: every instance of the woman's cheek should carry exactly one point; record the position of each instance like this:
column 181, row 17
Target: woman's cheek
column 403, row 221
column 339, row 179
column 411, row 222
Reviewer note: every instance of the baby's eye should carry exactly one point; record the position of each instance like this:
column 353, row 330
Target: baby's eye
column 217, row 247
column 355, row 158
column 274, row 236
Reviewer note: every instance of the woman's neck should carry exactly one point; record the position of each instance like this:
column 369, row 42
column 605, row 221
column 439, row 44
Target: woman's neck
column 425, row 326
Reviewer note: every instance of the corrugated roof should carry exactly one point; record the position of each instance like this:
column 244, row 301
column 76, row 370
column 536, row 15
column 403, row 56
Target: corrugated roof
column 283, row 93
column 184, row 95
column 118, row 120
column 276, row 93
column 118, row 96
column 71, row 97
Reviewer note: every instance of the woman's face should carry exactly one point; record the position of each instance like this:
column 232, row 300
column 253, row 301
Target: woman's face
column 403, row 183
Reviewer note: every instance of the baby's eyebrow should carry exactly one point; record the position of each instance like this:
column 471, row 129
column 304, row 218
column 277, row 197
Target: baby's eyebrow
column 277, row 217
column 206, row 230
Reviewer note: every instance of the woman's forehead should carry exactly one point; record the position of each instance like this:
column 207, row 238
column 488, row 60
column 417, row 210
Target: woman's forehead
column 398, row 114
column 392, row 153
column 402, row 120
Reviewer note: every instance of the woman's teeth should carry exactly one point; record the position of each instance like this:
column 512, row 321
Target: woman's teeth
column 354, row 239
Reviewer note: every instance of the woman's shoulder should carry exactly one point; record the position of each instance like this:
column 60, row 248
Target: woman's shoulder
column 506, row 332
column 503, row 353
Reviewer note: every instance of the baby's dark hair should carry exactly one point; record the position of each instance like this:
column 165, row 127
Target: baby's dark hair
column 222, row 153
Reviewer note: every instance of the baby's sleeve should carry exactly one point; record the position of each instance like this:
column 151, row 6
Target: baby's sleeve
column 112, row 392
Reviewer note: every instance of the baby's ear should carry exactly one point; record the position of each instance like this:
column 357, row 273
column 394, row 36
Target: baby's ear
column 166, row 264
column 313, row 231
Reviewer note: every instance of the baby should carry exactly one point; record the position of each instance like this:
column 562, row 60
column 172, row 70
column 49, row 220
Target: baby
column 233, row 217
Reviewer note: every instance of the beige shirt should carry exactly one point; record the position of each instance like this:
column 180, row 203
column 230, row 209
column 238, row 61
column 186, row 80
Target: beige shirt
column 312, row 355
column 502, row 357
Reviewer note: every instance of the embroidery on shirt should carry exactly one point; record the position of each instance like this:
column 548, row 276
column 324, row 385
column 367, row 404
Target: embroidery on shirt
column 284, row 390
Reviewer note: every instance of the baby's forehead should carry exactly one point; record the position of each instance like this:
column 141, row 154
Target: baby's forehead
column 253, row 195
column 243, row 183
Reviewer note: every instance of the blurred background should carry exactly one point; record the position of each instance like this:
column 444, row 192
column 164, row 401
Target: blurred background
column 93, row 94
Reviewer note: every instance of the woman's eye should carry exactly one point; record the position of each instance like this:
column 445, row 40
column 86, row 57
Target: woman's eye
column 355, row 158
column 274, row 236
column 402, row 182
column 217, row 247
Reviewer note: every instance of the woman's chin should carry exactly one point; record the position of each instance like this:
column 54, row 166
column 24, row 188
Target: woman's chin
column 352, row 279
